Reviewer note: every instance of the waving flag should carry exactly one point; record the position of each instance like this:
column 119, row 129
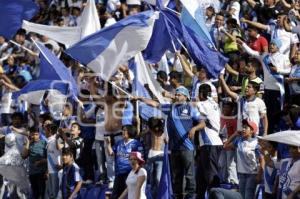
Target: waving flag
column 12, row 12
column 145, row 85
column 192, row 16
column 90, row 24
column 165, row 185
column 105, row 50
column 54, row 79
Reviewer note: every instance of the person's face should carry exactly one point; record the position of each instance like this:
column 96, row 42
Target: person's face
column 273, row 48
column 201, row 74
column 133, row 161
column 227, row 110
column 125, row 133
column 173, row 82
column 246, row 132
column 67, row 159
column 249, row 68
column 297, row 56
column 269, row 3
column 35, row 136
column 209, row 12
column 67, row 111
column 219, row 21
column 280, row 20
column 252, row 33
column 10, row 61
column 250, row 91
column 2, row 40
column 294, row 151
column 75, row 130
column 180, row 98
column 16, row 122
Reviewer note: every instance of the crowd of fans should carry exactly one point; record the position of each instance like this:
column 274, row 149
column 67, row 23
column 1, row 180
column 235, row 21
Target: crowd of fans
column 211, row 126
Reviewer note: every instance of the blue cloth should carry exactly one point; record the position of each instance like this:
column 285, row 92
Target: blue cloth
column 51, row 68
column 69, row 180
column 203, row 55
column 122, row 151
column 165, row 185
column 180, row 121
column 12, row 13
column 162, row 38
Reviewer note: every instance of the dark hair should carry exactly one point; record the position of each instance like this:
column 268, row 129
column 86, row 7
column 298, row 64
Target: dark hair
column 255, row 63
column 221, row 14
column 155, row 122
column 211, row 8
column 67, row 151
column 252, row 28
column 205, row 90
column 77, row 124
column 175, row 75
column 33, row 129
column 162, row 74
column 17, row 115
column 273, row 144
column 255, row 85
column 52, row 128
column 131, row 130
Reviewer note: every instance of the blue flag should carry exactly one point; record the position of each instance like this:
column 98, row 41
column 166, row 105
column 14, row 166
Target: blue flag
column 163, row 38
column 12, row 12
column 104, row 50
column 165, row 184
column 51, row 68
column 202, row 54
column 140, row 89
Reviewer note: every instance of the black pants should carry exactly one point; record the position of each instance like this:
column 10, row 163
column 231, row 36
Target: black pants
column 182, row 166
column 86, row 162
column 272, row 100
column 38, row 185
column 207, row 169
column 219, row 193
column 119, row 185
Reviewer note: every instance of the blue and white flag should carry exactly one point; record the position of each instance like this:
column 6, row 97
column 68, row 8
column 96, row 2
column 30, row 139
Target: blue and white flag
column 105, row 50
column 165, row 184
column 212, row 60
column 192, row 16
column 12, row 12
column 146, row 86
column 34, row 91
column 165, row 36
column 51, row 68
column 89, row 24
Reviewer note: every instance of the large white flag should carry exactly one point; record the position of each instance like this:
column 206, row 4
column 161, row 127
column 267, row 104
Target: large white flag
column 89, row 24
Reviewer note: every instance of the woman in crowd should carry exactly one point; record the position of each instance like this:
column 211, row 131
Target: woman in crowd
column 137, row 178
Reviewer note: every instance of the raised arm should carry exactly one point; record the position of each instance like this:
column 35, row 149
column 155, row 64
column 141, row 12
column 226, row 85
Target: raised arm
column 227, row 90
column 255, row 24
column 186, row 66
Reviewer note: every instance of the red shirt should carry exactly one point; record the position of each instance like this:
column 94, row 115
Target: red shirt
column 259, row 44
column 230, row 122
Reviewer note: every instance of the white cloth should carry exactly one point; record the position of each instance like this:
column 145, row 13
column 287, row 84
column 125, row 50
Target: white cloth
column 131, row 183
column 210, row 110
column 237, row 7
column 251, row 110
column 53, row 155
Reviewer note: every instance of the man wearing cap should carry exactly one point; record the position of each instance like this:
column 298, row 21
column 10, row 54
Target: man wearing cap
column 275, row 66
column 181, row 117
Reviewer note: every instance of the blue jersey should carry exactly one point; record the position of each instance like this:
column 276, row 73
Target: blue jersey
column 181, row 118
column 69, row 178
column 122, row 151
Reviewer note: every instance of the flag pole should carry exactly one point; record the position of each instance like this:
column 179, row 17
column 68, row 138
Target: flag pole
column 125, row 92
column 23, row 47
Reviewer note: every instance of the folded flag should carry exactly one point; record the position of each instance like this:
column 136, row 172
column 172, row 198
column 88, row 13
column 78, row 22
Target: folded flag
column 105, row 50
column 12, row 12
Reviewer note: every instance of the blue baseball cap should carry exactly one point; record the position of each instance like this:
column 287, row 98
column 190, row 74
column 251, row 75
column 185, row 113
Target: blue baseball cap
column 184, row 91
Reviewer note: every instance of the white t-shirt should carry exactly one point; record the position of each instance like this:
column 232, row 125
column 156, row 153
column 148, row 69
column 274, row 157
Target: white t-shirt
column 286, row 38
column 197, row 84
column 237, row 7
column 20, row 139
column 247, row 155
column 53, row 155
column 270, row 174
column 210, row 111
column 250, row 110
column 131, row 183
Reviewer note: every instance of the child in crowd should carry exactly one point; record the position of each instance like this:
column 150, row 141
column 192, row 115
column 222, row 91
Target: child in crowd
column 69, row 178
column 249, row 160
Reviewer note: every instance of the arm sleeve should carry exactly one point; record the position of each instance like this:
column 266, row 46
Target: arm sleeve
column 296, row 29
column 250, row 51
column 165, row 108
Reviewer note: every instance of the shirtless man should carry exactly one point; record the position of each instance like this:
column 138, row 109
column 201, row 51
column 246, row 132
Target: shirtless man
column 108, row 123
